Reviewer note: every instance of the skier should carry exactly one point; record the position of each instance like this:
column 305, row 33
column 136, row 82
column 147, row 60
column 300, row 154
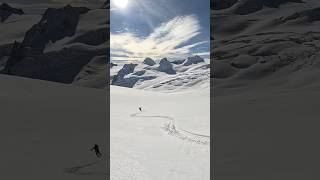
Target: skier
column 96, row 150
column 140, row 109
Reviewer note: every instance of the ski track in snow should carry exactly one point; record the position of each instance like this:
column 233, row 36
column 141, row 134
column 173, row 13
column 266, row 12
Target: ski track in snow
column 180, row 133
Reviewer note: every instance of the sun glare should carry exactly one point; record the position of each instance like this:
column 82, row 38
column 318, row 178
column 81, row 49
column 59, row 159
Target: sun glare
column 120, row 3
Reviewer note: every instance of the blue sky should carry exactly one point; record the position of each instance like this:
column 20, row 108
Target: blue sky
column 174, row 29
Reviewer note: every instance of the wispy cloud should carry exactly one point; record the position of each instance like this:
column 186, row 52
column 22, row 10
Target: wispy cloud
column 202, row 54
column 169, row 39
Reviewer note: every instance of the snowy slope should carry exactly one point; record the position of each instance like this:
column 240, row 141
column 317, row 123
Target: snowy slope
column 266, row 91
column 267, row 133
column 47, row 130
column 277, row 43
column 169, row 139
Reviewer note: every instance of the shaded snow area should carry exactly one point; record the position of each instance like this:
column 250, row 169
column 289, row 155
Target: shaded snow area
column 267, row 133
column 168, row 139
column 276, row 43
column 266, row 89
column 192, row 72
column 47, row 130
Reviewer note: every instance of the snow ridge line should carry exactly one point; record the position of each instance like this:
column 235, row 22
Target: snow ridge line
column 174, row 131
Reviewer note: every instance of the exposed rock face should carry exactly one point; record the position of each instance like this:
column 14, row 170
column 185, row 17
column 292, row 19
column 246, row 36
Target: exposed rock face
column 126, row 69
column 121, row 80
column 93, row 37
column 111, row 65
column 250, row 6
column 55, row 25
column 139, row 73
column 149, row 61
column 166, row 66
column 193, row 60
column 6, row 11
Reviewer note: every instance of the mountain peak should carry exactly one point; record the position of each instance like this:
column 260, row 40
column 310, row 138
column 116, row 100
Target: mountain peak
column 166, row 66
column 149, row 61
column 6, row 11
column 193, row 60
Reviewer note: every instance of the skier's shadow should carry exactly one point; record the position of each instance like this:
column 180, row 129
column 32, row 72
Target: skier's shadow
column 80, row 170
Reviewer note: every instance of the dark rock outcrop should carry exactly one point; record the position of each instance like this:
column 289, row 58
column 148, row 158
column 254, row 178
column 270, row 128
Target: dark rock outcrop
column 27, row 56
column 139, row 73
column 126, row 69
column 178, row 61
column 6, row 11
column 193, row 60
column 129, row 81
column 149, row 62
column 166, row 66
column 94, row 37
column 111, row 65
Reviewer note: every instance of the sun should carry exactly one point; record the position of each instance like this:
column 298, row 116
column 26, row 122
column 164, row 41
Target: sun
column 120, row 3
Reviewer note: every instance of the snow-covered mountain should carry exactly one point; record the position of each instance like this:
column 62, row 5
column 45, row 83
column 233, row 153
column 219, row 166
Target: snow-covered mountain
column 55, row 42
column 276, row 44
column 6, row 11
column 192, row 72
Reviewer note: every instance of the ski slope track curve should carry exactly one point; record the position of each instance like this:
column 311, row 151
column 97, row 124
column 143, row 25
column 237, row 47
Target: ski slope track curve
column 171, row 128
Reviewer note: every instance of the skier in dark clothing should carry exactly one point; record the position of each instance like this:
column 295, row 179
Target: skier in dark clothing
column 96, row 150
column 140, row 109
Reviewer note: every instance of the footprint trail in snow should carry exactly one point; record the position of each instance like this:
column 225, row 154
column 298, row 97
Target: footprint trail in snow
column 178, row 132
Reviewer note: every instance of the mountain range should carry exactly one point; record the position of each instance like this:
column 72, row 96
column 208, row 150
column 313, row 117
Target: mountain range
column 164, row 75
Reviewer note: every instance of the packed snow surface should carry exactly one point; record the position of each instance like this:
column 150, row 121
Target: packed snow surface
column 169, row 139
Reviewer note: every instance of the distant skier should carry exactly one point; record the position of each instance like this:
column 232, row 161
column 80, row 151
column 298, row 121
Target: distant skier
column 140, row 109
column 96, row 150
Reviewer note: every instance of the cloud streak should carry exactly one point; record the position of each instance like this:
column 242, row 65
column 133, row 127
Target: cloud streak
column 170, row 39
